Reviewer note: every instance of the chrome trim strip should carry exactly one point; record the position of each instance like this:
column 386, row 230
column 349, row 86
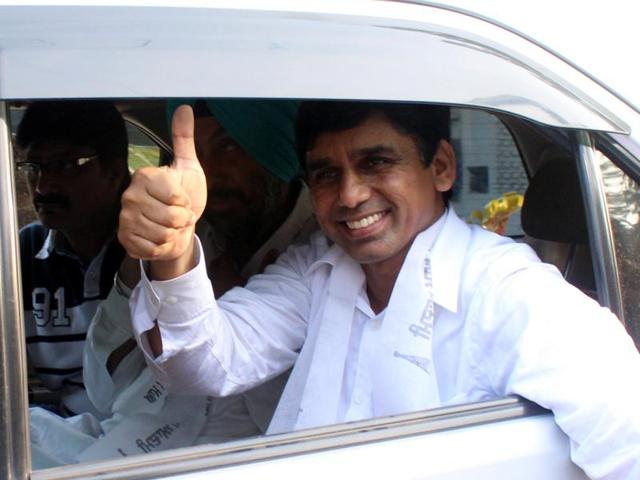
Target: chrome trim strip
column 267, row 448
column 15, row 456
column 605, row 264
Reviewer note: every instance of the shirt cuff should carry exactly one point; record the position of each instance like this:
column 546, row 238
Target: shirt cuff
column 171, row 303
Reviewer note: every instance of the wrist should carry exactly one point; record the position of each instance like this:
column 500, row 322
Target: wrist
column 175, row 267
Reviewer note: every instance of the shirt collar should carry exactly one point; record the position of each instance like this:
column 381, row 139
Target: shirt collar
column 447, row 260
column 55, row 242
column 446, row 239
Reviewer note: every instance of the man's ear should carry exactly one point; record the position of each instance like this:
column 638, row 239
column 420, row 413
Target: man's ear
column 443, row 166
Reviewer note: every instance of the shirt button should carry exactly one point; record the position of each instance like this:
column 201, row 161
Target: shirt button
column 171, row 300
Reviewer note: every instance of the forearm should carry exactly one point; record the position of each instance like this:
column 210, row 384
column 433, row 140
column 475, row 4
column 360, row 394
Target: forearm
column 578, row 350
column 218, row 349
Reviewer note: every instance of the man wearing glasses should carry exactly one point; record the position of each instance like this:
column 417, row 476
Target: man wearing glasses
column 74, row 156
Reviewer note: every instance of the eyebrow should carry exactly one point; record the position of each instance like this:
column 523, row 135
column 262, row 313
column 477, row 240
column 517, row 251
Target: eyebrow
column 217, row 134
column 376, row 150
column 314, row 164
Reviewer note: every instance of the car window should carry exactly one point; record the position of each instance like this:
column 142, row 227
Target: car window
column 490, row 172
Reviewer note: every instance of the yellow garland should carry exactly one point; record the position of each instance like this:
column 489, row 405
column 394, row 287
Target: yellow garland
column 496, row 213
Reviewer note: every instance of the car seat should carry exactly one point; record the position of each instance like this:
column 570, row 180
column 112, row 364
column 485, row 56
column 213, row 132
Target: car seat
column 554, row 221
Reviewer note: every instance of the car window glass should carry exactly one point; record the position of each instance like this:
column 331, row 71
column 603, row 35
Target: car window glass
column 143, row 151
column 623, row 205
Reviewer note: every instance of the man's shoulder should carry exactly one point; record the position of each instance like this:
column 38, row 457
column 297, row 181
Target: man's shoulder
column 34, row 228
column 314, row 247
column 498, row 255
column 32, row 238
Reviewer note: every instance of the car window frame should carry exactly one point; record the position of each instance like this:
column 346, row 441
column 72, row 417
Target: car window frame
column 15, row 454
column 605, row 261
column 316, row 440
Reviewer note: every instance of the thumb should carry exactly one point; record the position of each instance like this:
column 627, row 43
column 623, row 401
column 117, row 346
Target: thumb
column 185, row 161
column 184, row 146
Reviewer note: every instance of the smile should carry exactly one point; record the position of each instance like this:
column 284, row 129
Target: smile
column 365, row 222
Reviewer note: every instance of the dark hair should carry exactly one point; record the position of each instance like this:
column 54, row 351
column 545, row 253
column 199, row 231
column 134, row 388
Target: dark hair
column 91, row 123
column 426, row 124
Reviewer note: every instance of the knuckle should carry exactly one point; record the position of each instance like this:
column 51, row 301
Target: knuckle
column 168, row 234
column 175, row 217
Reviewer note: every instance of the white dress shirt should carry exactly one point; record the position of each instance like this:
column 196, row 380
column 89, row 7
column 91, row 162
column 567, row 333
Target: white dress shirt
column 141, row 416
column 505, row 324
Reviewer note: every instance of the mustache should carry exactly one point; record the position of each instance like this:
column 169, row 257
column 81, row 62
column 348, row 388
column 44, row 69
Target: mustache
column 366, row 207
column 52, row 199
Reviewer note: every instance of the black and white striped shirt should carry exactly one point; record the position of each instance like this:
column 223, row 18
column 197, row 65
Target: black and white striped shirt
column 61, row 294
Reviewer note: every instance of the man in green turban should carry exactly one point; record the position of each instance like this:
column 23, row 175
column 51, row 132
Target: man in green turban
column 256, row 205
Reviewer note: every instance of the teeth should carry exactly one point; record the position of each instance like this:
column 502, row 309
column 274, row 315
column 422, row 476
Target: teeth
column 364, row 222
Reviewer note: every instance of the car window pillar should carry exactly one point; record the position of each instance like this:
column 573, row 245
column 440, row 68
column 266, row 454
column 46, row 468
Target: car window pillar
column 15, row 457
column 604, row 259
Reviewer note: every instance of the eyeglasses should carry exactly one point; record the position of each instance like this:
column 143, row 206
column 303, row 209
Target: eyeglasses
column 67, row 167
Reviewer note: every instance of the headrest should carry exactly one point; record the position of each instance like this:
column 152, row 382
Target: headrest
column 553, row 209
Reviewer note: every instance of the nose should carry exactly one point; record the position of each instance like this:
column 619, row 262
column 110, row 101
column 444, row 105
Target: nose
column 45, row 183
column 353, row 190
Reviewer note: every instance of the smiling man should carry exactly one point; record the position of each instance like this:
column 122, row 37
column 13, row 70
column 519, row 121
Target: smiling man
column 396, row 306
column 74, row 156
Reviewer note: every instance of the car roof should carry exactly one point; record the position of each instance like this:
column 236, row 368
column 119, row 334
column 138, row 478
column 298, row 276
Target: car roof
column 357, row 49
column 599, row 37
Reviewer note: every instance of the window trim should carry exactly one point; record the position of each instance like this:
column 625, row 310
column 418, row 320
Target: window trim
column 206, row 458
column 605, row 262
column 15, row 454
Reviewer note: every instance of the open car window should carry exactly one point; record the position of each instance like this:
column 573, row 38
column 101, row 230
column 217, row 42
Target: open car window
column 490, row 191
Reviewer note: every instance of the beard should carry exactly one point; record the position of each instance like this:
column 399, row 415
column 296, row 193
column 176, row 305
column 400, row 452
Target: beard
column 242, row 231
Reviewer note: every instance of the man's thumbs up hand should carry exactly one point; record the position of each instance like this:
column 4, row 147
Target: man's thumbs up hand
column 162, row 204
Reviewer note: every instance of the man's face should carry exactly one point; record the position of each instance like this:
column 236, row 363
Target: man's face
column 371, row 192
column 239, row 188
column 69, row 187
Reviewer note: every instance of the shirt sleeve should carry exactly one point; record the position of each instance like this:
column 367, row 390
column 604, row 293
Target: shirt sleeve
column 110, row 328
column 228, row 346
column 543, row 339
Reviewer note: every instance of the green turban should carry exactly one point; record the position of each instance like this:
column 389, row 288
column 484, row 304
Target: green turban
column 263, row 128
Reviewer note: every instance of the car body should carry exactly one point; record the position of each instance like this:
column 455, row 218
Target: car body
column 140, row 52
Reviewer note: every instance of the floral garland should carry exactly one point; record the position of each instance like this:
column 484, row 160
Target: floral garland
column 496, row 213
